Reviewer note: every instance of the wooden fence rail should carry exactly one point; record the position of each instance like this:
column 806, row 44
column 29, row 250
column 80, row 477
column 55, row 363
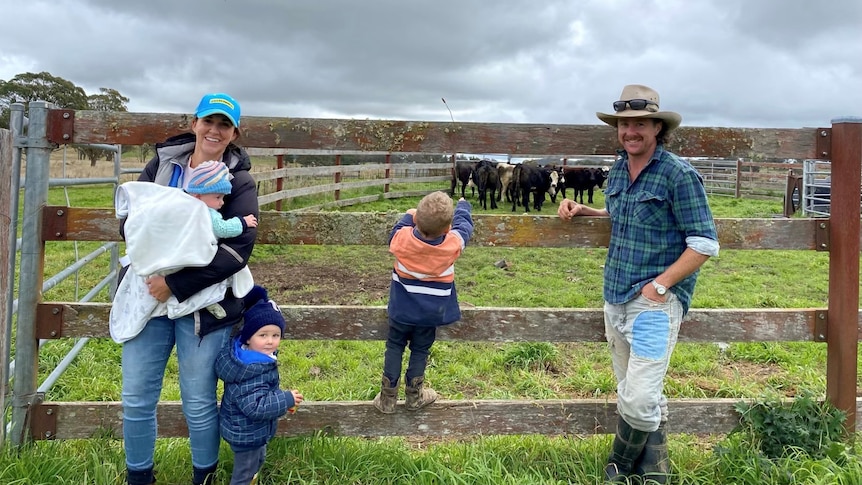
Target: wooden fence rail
column 483, row 324
column 838, row 325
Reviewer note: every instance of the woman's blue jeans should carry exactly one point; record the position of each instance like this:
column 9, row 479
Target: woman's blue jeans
column 144, row 360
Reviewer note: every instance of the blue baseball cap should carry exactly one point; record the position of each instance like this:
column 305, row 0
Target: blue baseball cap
column 219, row 103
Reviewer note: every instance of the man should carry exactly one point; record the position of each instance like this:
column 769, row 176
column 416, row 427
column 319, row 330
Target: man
column 662, row 231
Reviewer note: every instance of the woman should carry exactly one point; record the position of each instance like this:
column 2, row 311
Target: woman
column 198, row 337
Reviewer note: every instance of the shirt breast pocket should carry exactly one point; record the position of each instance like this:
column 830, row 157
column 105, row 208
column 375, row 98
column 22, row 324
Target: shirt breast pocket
column 613, row 199
column 652, row 209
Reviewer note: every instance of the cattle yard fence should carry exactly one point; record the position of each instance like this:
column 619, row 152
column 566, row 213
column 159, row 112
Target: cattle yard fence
column 723, row 177
column 837, row 326
column 338, row 177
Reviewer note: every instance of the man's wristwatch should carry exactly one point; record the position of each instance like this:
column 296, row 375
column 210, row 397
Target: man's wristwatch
column 659, row 288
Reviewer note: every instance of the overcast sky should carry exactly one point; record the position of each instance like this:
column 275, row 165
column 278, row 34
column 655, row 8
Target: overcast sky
column 745, row 63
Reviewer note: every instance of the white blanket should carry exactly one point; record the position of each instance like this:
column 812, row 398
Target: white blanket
column 166, row 230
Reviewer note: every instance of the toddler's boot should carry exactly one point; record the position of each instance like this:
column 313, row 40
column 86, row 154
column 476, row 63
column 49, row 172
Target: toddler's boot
column 385, row 400
column 419, row 396
column 204, row 476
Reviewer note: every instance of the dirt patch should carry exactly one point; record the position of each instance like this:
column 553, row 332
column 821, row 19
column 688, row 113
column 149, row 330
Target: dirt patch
column 315, row 284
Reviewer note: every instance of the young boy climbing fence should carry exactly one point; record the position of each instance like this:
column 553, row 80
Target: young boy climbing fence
column 425, row 242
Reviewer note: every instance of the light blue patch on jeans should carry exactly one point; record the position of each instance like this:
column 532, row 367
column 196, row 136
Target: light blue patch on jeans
column 649, row 334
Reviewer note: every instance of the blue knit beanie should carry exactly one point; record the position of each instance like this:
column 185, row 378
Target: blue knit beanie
column 210, row 177
column 260, row 311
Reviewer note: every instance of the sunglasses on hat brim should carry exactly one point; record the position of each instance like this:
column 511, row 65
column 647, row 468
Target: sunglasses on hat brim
column 636, row 104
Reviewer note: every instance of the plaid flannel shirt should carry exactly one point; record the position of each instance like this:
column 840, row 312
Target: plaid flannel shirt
column 650, row 221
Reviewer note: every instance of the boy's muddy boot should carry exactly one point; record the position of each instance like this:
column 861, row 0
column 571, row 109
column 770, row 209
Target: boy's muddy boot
column 419, row 396
column 627, row 447
column 385, row 400
column 654, row 465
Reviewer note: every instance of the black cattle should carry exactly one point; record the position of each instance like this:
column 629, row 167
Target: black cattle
column 529, row 178
column 580, row 179
column 487, row 179
column 462, row 172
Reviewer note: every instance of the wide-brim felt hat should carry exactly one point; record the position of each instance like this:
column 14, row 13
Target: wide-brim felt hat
column 637, row 91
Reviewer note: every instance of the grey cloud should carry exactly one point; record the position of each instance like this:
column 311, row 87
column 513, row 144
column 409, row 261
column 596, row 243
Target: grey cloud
column 721, row 63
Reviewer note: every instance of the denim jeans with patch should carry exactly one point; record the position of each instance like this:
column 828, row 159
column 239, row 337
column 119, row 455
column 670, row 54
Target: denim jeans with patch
column 641, row 335
column 144, row 360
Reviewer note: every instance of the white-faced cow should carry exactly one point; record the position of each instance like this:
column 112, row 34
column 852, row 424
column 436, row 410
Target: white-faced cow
column 580, row 179
column 462, row 172
column 529, row 178
column 557, row 181
column 486, row 178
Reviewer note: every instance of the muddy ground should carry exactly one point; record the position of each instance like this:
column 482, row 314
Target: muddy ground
column 316, row 284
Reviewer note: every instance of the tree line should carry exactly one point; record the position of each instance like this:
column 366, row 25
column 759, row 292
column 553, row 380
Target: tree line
column 62, row 93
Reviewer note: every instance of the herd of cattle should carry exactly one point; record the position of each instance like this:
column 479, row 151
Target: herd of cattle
column 492, row 179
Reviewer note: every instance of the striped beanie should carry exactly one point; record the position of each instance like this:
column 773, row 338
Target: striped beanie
column 210, row 177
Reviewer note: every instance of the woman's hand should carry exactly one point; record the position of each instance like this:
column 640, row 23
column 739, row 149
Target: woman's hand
column 158, row 288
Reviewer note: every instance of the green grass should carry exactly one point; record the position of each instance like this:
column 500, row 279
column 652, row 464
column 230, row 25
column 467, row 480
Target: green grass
column 350, row 371
column 489, row 460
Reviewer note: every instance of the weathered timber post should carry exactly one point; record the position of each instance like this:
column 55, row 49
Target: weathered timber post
column 793, row 186
column 279, row 182
column 386, row 174
column 454, row 177
column 843, row 311
column 32, row 260
column 338, row 177
column 737, row 191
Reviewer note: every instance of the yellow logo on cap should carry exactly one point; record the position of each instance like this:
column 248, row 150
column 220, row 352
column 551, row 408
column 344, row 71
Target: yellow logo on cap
column 222, row 101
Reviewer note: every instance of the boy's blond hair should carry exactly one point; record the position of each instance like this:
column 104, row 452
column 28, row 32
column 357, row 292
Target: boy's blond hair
column 434, row 214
